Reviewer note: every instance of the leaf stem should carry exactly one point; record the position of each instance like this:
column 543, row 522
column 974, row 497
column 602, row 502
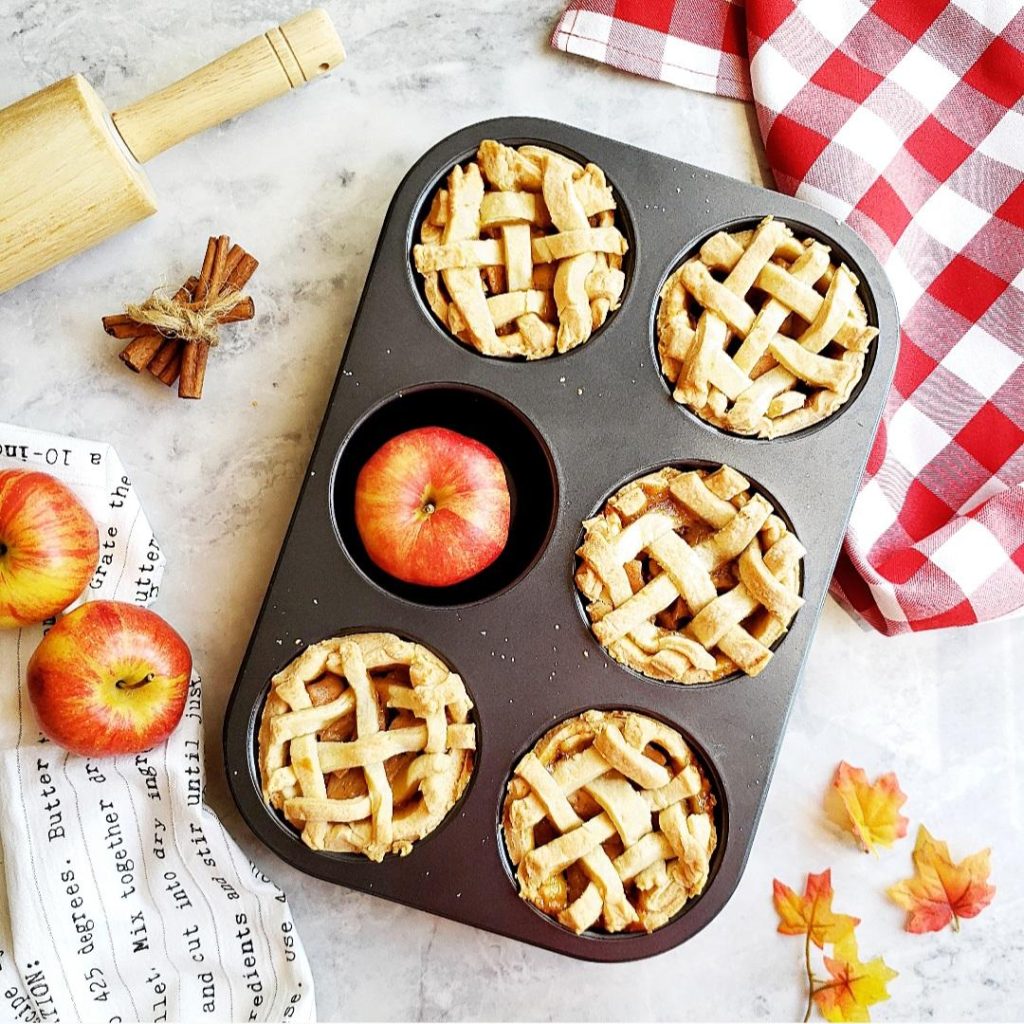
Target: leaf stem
column 955, row 922
column 810, row 977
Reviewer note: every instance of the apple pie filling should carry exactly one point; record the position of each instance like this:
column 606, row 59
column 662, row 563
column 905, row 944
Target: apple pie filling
column 366, row 744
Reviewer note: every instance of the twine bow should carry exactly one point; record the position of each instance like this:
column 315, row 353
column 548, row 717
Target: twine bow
column 189, row 322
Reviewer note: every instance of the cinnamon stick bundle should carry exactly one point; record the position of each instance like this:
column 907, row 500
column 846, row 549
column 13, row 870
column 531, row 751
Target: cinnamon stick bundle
column 172, row 337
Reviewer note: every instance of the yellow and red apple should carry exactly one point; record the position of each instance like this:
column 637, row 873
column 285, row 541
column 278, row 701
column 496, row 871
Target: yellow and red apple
column 432, row 507
column 49, row 547
column 109, row 678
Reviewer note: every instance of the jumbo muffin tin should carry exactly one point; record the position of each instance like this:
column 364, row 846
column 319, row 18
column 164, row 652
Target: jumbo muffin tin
column 571, row 430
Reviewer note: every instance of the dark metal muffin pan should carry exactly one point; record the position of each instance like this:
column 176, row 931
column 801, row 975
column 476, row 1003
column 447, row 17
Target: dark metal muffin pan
column 571, row 430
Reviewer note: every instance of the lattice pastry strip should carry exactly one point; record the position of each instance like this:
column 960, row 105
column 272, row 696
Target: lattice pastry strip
column 519, row 254
column 762, row 334
column 689, row 576
column 609, row 822
column 365, row 744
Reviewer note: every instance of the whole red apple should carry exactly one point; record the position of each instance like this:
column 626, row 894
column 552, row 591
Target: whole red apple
column 49, row 547
column 432, row 507
column 109, row 678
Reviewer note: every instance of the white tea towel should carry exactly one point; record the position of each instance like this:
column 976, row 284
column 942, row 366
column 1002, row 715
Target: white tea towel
column 122, row 897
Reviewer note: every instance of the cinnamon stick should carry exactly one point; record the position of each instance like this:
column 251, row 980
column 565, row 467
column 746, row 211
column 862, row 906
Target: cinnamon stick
column 231, row 270
column 203, row 282
column 220, row 256
column 234, row 255
column 170, row 372
column 239, row 274
column 164, row 356
column 194, row 358
column 245, row 310
column 123, row 326
column 139, row 352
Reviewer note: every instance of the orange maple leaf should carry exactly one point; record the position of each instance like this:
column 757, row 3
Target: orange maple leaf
column 871, row 811
column 811, row 914
column 854, row 986
column 941, row 892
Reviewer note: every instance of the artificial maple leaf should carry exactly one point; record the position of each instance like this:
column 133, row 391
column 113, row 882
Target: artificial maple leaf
column 811, row 914
column 940, row 891
column 854, row 986
column 871, row 811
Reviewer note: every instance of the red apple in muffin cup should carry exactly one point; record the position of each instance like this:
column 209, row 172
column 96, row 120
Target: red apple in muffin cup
column 432, row 507
column 49, row 547
column 109, row 678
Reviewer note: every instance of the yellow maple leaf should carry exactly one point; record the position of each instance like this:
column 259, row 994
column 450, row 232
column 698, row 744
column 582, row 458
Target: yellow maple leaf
column 812, row 914
column 869, row 810
column 941, row 892
column 854, row 986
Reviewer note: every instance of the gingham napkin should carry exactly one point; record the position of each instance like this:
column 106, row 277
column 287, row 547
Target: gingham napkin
column 905, row 119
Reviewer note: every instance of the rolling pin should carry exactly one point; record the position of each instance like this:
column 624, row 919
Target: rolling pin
column 70, row 174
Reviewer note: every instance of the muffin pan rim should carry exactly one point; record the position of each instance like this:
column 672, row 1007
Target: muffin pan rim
column 705, row 711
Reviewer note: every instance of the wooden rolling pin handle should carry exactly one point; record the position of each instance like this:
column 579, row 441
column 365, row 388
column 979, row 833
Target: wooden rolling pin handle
column 257, row 71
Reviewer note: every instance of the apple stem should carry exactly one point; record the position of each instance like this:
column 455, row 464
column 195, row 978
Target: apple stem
column 3, row 549
column 123, row 684
column 429, row 508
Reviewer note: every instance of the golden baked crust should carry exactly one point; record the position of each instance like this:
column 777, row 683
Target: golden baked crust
column 519, row 254
column 761, row 334
column 689, row 576
column 609, row 821
column 365, row 744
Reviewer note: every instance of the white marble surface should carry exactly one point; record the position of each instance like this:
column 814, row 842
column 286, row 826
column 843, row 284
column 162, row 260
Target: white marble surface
column 304, row 184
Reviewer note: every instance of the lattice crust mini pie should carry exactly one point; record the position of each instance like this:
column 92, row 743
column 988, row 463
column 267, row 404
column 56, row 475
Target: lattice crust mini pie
column 365, row 744
column 520, row 254
column 609, row 821
column 689, row 576
column 762, row 334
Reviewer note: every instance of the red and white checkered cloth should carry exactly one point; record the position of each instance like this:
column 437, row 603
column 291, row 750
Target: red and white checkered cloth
column 905, row 119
